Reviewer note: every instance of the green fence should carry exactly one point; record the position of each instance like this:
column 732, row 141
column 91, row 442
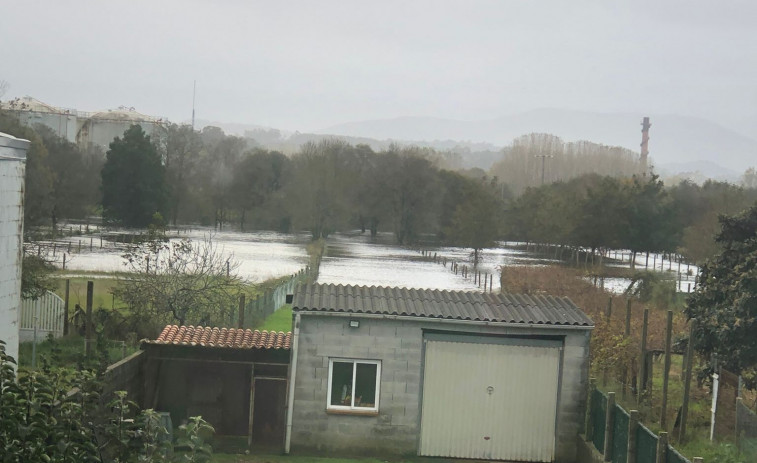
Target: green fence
column 646, row 440
column 620, row 435
column 598, row 410
column 674, row 457
column 646, row 444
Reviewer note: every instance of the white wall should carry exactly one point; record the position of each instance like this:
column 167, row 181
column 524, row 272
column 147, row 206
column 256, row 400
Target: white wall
column 12, row 167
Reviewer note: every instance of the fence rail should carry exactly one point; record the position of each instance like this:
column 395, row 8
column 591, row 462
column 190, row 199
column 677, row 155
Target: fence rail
column 46, row 313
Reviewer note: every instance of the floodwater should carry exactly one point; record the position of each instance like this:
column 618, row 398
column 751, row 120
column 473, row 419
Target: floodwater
column 354, row 259
column 260, row 255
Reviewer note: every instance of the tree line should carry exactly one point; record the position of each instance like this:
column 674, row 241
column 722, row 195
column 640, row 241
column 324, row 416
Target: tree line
column 215, row 179
column 220, row 180
column 637, row 213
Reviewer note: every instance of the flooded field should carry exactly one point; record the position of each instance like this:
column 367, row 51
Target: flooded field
column 354, row 258
column 261, row 255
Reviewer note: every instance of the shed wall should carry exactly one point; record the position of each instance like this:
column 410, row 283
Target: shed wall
column 12, row 168
column 398, row 344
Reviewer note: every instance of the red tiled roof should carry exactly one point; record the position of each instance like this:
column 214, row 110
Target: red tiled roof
column 233, row 338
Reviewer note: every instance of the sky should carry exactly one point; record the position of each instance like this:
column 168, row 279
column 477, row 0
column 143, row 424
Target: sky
column 307, row 65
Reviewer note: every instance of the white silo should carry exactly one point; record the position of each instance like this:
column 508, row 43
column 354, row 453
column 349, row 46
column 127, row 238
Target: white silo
column 12, row 168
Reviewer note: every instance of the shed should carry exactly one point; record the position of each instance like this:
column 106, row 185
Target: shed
column 236, row 379
column 379, row 370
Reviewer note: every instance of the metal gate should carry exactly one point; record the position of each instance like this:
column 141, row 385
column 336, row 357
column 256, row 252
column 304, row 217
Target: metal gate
column 489, row 401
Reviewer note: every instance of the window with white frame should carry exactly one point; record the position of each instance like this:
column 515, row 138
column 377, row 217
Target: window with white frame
column 354, row 384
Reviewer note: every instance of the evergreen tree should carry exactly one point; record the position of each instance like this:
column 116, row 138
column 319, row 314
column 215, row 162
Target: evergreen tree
column 725, row 303
column 133, row 180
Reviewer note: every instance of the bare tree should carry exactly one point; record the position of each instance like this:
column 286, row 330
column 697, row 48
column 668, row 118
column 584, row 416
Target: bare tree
column 4, row 86
column 180, row 281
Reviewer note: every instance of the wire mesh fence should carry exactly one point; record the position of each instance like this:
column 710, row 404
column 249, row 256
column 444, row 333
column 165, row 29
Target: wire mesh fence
column 264, row 305
column 746, row 429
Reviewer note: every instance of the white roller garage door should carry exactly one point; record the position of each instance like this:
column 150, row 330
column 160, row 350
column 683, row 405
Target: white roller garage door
column 489, row 401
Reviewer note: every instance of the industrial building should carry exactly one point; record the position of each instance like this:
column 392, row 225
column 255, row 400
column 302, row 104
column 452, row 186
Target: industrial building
column 82, row 128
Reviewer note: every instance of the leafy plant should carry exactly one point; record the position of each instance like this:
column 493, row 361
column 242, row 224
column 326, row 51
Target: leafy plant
column 56, row 415
column 192, row 437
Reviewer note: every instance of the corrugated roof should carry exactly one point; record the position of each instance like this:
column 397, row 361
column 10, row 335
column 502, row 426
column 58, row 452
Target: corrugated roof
column 448, row 305
column 232, row 338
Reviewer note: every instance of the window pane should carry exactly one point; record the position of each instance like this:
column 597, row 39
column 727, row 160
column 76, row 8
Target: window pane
column 365, row 385
column 341, row 383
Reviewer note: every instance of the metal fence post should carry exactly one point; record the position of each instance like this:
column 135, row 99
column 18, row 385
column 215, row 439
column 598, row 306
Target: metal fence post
column 609, row 421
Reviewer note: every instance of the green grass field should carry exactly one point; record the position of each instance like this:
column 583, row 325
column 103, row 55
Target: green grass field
column 102, row 296
column 281, row 320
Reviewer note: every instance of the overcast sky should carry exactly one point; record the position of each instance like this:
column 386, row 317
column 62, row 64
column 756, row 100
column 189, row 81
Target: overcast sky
column 306, row 65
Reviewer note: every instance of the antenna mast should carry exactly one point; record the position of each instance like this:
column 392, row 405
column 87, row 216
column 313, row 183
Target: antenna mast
column 194, row 92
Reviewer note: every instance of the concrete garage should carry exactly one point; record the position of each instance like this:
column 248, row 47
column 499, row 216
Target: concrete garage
column 437, row 373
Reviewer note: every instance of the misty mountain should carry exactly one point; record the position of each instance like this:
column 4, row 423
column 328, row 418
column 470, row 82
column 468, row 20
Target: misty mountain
column 469, row 154
column 674, row 140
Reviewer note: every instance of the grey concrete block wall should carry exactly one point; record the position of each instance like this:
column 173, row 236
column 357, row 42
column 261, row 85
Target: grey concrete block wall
column 397, row 343
column 126, row 375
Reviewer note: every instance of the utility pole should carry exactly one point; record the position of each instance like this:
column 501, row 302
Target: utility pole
column 543, row 158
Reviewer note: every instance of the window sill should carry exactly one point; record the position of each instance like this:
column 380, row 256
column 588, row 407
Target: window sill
column 332, row 411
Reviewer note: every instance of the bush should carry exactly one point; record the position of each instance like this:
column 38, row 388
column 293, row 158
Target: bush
column 56, row 414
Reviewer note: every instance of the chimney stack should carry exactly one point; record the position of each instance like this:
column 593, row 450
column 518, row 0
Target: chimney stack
column 645, row 125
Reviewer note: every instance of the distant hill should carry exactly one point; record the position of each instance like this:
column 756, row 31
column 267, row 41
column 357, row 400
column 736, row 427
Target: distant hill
column 674, row 140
